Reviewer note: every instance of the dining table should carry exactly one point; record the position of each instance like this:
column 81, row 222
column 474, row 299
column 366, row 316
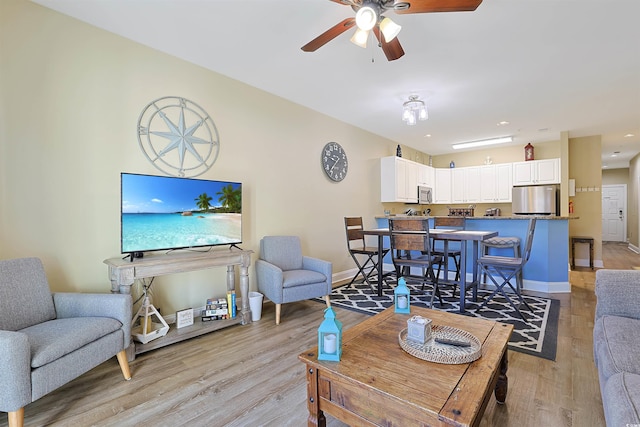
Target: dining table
column 463, row 236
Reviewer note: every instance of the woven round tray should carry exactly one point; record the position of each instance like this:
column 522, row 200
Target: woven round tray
column 443, row 353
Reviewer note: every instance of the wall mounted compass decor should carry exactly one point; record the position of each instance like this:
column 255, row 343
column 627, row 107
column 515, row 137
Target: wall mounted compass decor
column 178, row 137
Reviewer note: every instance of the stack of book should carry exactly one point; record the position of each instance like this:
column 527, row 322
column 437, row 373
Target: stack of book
column 220, row 308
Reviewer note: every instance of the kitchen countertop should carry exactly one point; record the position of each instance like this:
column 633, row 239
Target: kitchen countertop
column 542, row 217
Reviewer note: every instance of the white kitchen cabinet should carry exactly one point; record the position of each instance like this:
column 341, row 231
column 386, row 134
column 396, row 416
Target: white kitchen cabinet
column 465, row 185
column 398, row 180
column 442, row 187
column 426, row 176
column 536, row 172
column 496, row 182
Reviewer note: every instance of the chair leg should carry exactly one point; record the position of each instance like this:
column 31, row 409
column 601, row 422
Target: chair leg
column 278, row 311
column 16, row 418
column 124, row 364
column 500, row 288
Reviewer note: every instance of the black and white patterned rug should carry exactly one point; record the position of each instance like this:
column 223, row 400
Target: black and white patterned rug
column 538, row 336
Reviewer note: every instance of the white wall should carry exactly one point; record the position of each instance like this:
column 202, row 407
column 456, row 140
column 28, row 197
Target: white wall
column 70, row 98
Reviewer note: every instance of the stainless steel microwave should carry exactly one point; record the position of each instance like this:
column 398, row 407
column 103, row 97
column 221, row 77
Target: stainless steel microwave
column 425, row 195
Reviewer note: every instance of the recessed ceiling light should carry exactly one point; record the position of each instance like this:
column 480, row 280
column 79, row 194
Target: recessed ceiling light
column 428, row 135
column 503, row 123
column 629, row 135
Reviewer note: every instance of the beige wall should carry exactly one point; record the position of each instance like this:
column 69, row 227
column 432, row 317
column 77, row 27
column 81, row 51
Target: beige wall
column 586, row 168
column 71, row 95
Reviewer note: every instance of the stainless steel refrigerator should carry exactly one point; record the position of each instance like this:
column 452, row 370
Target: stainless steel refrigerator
column 536, row 200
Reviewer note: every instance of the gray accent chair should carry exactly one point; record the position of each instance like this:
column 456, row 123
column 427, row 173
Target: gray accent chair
column 285, row 275
column 616, row 345
column 48, row 339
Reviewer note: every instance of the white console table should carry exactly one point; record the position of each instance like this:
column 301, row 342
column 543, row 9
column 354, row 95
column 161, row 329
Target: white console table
column 123, row 273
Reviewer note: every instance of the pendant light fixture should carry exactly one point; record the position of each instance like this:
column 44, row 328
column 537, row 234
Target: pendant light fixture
column 414, row 110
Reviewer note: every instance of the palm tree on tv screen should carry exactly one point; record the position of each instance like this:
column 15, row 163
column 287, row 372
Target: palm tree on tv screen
column 231, row 199
column 203, row 201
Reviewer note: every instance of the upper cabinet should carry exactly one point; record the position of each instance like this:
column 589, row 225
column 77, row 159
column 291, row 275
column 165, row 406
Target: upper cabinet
column 398, row 180
column 536, row 172
column 426, row 176
column 495, row 183
column 465, row 185
column 442, row 187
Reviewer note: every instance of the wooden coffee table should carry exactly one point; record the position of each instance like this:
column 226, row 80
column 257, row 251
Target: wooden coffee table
column 377, row 383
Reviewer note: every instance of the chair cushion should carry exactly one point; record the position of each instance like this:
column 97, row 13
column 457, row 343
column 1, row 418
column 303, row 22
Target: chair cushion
column 617, row 345
column 51, row 340
column 293, row 278
column 25, row 298
column 283, row 251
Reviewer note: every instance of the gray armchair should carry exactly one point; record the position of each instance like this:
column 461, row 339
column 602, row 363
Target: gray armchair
column 48, row 339
column 285, row 275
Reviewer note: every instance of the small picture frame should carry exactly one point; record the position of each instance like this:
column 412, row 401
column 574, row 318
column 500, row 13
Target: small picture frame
column 184, row 318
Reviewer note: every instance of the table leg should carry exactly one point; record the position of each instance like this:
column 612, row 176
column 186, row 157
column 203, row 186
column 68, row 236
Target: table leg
column 503, row 383
column 316, row 416
column 475, row 280
column 463, row 274
column 380, row 260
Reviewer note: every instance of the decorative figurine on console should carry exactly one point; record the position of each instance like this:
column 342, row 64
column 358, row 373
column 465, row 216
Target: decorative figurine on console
column 330, row 337
column 401, row 297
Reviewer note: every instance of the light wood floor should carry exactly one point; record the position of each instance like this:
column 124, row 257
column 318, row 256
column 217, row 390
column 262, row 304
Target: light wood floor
column 250, row 375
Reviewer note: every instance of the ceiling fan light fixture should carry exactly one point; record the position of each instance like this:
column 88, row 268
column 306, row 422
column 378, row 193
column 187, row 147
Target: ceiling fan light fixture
column 414, row 110
column 366, row 18
column 360, row 37
column 389, row 29
column 483, row 142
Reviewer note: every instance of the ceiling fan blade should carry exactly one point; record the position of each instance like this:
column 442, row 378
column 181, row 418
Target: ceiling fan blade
column 392, row 50
column 329, row 35
column 427, row 6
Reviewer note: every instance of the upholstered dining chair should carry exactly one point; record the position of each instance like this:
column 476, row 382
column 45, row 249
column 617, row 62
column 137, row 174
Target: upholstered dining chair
column 411, row 248
column 285, row 275
column 364, row 256
column 501, row 270
column 48, row 339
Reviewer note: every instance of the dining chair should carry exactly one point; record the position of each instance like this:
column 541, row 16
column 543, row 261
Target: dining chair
column 501, row 270
column 452, row 248
column 359, row 251
column 411, row 248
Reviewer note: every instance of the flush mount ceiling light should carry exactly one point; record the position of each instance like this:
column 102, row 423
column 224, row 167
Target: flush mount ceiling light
column 414, row 110
column 483, row 142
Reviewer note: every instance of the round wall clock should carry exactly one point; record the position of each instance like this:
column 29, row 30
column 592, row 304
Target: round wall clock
column 178, row 137
column 334, row 161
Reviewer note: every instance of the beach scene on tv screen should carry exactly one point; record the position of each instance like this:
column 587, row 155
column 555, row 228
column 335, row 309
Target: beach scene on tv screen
column 166, row 212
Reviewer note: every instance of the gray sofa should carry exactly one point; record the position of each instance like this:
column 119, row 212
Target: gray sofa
column 616, row 343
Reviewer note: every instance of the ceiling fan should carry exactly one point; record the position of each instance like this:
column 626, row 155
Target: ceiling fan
column 369, row 16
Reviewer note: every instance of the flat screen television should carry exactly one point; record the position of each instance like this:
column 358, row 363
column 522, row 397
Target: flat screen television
column 162, row 213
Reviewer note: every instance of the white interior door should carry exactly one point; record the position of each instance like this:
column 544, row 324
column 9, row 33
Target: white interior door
column 614, row 213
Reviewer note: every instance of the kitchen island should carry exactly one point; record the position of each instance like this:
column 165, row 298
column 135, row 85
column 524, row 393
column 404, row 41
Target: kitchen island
column 548, row 267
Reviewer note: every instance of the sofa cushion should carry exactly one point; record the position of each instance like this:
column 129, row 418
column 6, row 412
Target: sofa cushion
column 53, row 339
column 25, row 298
column 621, row 400
column 616, row 345
column 293, row 278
